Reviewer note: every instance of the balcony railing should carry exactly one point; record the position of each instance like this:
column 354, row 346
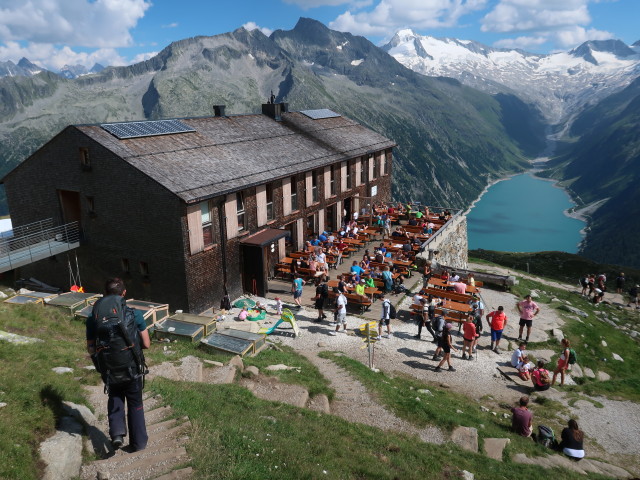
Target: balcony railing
column 29, row 243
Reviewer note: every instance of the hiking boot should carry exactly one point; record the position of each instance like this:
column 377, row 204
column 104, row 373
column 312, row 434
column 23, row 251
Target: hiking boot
column 496, row 350
column 324, row 316
column 437, row 369
column 470, row 357
column 464, row 356
column 416, row 336
column 333, row 333
column 117, row 442
column 378, row 337
column 451, row 369
column 435, row 358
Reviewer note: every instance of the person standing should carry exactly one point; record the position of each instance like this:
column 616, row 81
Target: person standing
column 322, row 293
column 522, row 418
column 563, row 362
column 572, row 441
column 296, row 289
column 446, row 345
column 385, row 317
column 497, row 321
column 469, row 337
column 340, row 312
column 528, row 310
column 116, row 335
column 620, row 281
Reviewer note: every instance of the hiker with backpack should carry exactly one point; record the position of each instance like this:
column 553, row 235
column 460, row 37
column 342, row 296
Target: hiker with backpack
column 563, row 362
column 540, row 377
column 116, row 335
column 447, row 345
column 322, row 293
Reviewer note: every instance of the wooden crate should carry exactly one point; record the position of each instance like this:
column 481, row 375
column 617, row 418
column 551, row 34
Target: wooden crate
column 234, row 341
column 176, row 330
column 23, row 300
column 208, row 323
column 151, row 311
column 73, row 301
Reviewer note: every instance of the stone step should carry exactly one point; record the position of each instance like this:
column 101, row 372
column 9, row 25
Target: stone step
column 123, row 457
column 181, row 474
column 161, row 426
column 157, row 463
column 157, row 437
column 157, row 414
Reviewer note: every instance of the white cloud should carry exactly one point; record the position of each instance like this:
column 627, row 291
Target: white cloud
column 170, row 25
column 560, row 23
column 253, row 26
column 87, row 23
column 54, row 58
column 390, row 15
column 141, row 57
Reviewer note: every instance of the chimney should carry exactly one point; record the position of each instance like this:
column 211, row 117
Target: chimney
column 272, row 110
column 218, row 111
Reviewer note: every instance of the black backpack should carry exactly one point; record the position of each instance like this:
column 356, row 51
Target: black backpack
column 118, row 356
column 324, row 290
column 392, row 311
column 477, row 321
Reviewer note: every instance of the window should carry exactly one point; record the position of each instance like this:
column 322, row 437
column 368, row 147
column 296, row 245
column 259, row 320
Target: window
column 125, row 265
column 314, row 186
column 91, row 206
column 376, row 166
column 349, row 183
column 207, row 224
column 85, row 161
column 333, row 180
column 270, row 211
column 240, row 211
column 294, row 194
column 364, row 171
column 144, row 269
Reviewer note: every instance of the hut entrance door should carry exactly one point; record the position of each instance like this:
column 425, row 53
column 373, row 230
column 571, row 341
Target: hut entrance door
column 254, row 274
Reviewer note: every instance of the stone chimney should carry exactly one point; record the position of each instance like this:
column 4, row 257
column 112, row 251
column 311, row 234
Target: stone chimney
column 218, row 111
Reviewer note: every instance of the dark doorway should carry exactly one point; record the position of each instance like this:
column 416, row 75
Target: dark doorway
column 254, row 275
column 330, row 221
column 311, row 226
column 70, row 206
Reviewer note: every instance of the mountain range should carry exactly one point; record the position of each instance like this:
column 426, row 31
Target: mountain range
column 454, row 134
column 26, row 68
column 558, row 84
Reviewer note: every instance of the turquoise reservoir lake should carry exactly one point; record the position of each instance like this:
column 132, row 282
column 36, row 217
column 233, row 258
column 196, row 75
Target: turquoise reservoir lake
column 524, row 214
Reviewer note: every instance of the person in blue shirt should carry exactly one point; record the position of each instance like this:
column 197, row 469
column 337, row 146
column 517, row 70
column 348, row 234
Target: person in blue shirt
column 357, row 269
column 322, row 237
column 296, row 289
column 315, row 242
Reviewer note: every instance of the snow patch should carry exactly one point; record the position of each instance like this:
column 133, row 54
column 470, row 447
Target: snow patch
column 355, row 63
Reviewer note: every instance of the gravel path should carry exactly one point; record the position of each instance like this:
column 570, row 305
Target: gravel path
column 354, row 403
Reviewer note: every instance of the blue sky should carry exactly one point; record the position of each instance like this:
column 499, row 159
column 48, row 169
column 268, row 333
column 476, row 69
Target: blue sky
column 53, row 33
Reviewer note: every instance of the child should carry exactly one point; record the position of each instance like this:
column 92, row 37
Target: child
column 523, row 368
column 278, row 305
column 244, row 313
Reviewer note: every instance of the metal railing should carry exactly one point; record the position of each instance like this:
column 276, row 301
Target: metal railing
column 35, row 241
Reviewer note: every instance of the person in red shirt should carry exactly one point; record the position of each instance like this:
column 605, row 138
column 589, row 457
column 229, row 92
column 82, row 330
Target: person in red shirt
column 470, row 336
column 497, row 321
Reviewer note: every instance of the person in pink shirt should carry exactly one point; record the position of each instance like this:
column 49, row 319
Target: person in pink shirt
column 528, row 310
column 460, row 287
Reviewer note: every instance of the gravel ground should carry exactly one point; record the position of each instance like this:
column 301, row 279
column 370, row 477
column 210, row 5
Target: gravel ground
column 477, row 378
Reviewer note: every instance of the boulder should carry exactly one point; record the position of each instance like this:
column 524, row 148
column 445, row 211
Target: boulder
column 320, row 403
column 466, row 438
column 237, row 362
column 62, row 453
column 60, row 370
column 617, row 357
column 588, row 373
column 603, row 376
column 574, row 310
column 604, row 343
column 556, row 332
column 214, row 363
column 493, row 447
column 251, row 370
column 576, row 371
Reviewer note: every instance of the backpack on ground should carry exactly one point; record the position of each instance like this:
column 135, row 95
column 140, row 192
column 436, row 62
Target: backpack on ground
column 573, row 358
column 546, row 437
column 399, row 288
column 118, row 356
column 392, row 311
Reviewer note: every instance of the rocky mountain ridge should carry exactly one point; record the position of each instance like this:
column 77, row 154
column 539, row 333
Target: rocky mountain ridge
column 559, row 84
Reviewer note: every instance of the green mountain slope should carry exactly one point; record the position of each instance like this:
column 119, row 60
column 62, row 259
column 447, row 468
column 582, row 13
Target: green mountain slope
column 450, row 137
column 603, row 162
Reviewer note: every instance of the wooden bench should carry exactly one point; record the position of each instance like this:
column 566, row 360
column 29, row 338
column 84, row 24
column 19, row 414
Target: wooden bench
column 363, row 303
column 449, row 295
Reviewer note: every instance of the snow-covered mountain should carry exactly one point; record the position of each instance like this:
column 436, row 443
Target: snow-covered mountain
column 75, row 71
column 24, row 68
column 559, row 84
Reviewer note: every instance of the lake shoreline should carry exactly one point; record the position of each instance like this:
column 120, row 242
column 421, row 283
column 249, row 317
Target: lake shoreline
column 506, row 211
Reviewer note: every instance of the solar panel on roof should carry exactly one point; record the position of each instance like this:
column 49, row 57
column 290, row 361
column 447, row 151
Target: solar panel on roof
column 320, row 113
column 149, row 128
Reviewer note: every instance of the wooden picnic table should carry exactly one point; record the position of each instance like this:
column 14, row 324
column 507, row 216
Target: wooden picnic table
column 438, row 282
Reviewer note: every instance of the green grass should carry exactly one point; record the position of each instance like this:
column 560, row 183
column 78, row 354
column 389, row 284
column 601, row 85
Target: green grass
column 586, row 339
column 442, row 407
column 32, row 392
column 237, row 436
